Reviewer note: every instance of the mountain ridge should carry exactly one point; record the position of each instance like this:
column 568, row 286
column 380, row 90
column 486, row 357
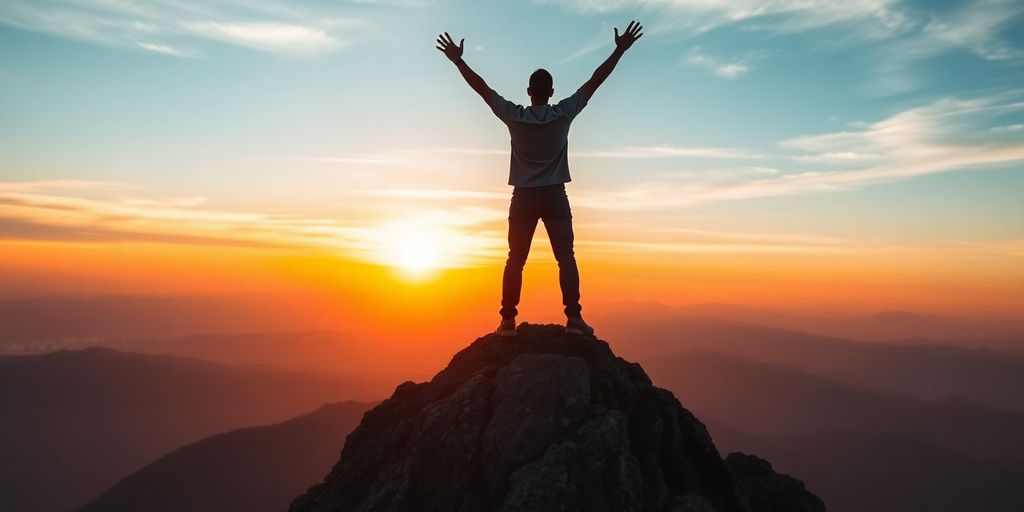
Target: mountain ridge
column 538, row 422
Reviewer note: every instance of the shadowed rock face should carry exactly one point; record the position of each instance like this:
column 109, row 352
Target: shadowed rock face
column 540, row 422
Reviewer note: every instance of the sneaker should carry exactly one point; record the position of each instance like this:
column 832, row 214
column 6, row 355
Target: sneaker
column 507, row 327
column 575, row 326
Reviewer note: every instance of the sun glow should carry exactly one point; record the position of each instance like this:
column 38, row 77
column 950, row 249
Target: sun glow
column 415, row 249
column 417, row 253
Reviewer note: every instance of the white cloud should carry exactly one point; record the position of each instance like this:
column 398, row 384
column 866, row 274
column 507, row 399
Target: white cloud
column 84, row 211
column 170, row 27
column 1009, row 128
column 272, row 36
column 602, row 39
column 165, row 49
column 420, row 156
column 893, row 33
column 698, row 16
column 729, row 70
column 945, row 136
column 666, row 151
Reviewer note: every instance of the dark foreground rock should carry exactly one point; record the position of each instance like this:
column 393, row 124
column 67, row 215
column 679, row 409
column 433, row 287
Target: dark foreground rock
column 764, row 490
column 540, row 422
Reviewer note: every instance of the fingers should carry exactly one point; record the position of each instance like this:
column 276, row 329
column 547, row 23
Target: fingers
column 444, row 41
column 633, row 30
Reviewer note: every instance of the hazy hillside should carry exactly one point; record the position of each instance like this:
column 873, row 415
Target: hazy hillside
column 861, row 450
column 41, row 324
column 882, row 326
column 771, row 400
column 74, row 422
column 884, row 472
column 328, row 351
column 252, row 469
column 919, row 371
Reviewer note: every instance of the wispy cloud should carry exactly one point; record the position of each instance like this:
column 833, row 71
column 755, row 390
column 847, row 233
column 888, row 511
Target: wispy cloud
column 165, row 49
column 470, row 235
column 175, row 28
column 666, row 151
column 944, row 136
column 602, row 39
column 431, row 193
column 271, row 36
column 419, row 156
column 720, row 68
column 698, row 16
column 893, row 33
column 82, row 211
column 1009, row 128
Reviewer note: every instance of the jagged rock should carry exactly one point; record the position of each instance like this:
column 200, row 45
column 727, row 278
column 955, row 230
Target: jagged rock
column 764, row 490
column 540, row 422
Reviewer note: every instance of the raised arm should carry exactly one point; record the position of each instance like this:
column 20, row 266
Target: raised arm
column 446, row 44
column 622, row 43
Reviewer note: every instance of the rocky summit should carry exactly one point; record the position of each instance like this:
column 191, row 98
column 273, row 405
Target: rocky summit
column 543, row 422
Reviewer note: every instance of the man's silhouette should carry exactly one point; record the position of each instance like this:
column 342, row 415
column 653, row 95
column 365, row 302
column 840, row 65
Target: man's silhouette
column 539, row 170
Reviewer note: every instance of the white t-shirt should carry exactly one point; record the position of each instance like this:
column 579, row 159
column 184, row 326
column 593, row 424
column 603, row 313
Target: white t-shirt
column 540, row 139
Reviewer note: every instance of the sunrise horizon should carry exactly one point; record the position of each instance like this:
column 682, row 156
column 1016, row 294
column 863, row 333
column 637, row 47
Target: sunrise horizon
column 600, row 255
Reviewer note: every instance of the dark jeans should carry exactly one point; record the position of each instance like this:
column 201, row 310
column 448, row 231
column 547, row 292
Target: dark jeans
column 550, row 204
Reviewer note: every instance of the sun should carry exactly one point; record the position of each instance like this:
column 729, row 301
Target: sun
column 414, row 249
column 417, row 253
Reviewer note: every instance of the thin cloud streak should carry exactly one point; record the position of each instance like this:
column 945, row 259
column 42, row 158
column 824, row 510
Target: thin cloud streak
column 417, row 156
column 936, row 138
column 59, row 211
column 173, row 28
column 667, row 152
column 724, row 69
column 896, row 33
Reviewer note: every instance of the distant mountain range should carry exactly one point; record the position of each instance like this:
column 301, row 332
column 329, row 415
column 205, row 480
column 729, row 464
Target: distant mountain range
column 926, row 372
column 256, row 469
column 772, row 400
column 858, row 449
column 49, row 323
column 918, row 423
column 74, row 422
column 882, row 326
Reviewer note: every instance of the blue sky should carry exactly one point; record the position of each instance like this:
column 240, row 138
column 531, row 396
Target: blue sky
column 804, row 124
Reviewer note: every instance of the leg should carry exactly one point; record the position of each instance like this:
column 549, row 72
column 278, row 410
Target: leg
column 559, row 228
column 521, row 226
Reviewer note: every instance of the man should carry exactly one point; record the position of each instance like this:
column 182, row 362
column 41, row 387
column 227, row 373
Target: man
column 539, row 171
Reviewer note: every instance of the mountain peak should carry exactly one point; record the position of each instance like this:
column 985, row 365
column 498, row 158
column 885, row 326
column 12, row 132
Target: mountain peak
column 541, row 421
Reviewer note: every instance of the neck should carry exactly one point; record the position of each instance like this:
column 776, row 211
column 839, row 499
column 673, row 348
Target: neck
column 534, row 102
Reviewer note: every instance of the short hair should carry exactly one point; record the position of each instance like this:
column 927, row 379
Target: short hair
column 541, row 81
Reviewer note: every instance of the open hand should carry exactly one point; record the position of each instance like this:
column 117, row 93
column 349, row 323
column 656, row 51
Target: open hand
column 446, row 44
column 630, row 36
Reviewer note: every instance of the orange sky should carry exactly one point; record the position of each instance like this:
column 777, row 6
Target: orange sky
column 853, row 282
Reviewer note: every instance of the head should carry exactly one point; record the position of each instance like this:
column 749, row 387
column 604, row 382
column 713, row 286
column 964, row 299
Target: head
column 540, row 89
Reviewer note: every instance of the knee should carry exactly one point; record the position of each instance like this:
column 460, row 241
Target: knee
column 564, row 255
column 516, row 259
